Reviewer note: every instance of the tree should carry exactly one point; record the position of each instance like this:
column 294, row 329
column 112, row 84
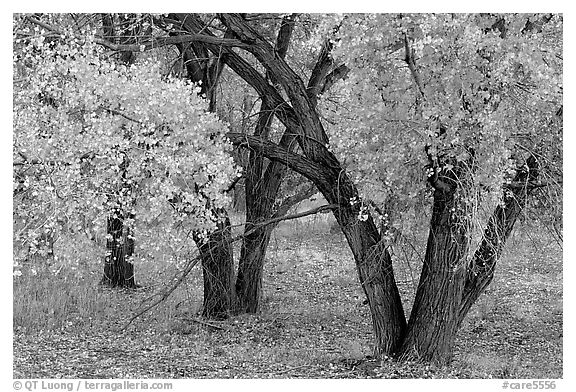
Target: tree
column 460, row 128
column 476, row 162
column 262, row 180
column 118, row 269
column 454, row 113
column 83, row 119
column 215, row 249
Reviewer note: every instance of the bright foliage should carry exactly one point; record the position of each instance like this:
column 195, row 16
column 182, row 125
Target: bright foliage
column 486, row 84
column 93, row 138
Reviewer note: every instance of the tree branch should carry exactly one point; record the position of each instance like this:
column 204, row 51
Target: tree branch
column 300, row 164
column 335, row 75
column 283, row 111
column 290, row 201
column 277, row 219
column 481, row 270
column 164, row 294
column 302, row 105
column 151, row 43
column 412, row 65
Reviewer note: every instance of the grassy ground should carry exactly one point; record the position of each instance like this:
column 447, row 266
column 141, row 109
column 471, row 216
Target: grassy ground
column 313, row 323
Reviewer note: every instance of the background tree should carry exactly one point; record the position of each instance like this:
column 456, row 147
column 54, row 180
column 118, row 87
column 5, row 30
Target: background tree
column 118, row 268
column 106, row 119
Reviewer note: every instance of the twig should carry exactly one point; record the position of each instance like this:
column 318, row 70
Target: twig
column 206, row 323
column 294, row 368
column 286, row 217
column 191, row 264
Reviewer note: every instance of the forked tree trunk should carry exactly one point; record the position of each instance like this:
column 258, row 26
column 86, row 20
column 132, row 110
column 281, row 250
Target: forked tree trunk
column 449, row 286
column 434, row 318
column 321, row 166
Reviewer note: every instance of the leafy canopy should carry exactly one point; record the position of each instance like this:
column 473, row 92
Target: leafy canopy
column 93, row 139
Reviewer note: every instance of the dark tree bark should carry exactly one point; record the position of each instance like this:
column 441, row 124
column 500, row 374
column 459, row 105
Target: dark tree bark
column 434, row 318
column 449, row 286
column 118, row 270
column 320, row 166
column 215, row 251
column 218, row 271
column 261, row 187
column 250, row 270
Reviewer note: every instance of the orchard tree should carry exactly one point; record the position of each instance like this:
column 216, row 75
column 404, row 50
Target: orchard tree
column 112, row 140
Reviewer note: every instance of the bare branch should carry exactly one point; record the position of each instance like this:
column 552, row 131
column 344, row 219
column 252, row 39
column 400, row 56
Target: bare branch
column 193, row 262
column 313, row 211
column 290, row 201
column 166, row 293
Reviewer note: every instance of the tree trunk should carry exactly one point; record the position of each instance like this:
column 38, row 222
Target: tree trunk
column 448, row 284
column 373, row 261
column 260, row 196
column 218, row 271
column 118, row 270
column 250, row 269
column 255, row 243
column 261, row 187
column 481, row 270
column 434, row 318
column 374, row 266
column 216, row 251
